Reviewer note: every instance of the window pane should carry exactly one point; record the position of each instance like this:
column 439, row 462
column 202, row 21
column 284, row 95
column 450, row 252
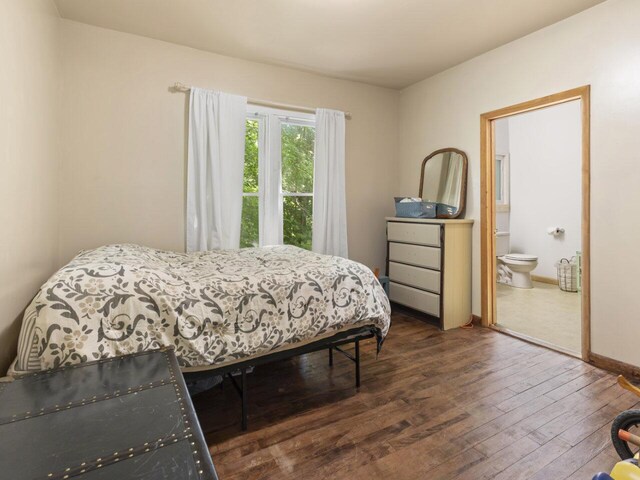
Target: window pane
column 251, row 157
column 249, row 231
column 297, row 158
column 296, row 222
column 498, row 179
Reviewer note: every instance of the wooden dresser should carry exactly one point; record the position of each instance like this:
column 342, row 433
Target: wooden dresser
column 429, row 267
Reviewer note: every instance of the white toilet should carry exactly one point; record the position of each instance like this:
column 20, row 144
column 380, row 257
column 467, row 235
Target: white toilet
column 518, row 265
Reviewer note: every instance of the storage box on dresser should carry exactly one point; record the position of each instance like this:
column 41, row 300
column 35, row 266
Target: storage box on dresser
column 429, row 267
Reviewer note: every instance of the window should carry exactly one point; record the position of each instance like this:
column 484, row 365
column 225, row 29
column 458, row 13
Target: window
column 499, row 177
column 249, row 233
column 502, row 183
column 278, row 178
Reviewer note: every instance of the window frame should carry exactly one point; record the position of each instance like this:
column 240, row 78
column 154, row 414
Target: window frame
column 503, row 204
column 270, row 193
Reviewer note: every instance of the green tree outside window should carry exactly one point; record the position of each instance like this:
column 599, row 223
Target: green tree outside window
column 297, row 184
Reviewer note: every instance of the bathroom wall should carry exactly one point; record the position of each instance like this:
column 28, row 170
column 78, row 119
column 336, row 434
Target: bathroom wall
column 598, row 47
column 546, row 184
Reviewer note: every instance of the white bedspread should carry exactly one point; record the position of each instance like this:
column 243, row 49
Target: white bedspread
column 212, row 307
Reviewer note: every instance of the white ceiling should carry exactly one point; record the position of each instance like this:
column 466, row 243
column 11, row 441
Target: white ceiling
column 391, row 43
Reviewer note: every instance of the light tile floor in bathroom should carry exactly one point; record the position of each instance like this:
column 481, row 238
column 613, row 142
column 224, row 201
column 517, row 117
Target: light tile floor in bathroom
column 543, row 312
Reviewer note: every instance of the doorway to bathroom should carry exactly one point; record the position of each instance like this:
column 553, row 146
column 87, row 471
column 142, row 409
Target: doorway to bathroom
column 535, row 221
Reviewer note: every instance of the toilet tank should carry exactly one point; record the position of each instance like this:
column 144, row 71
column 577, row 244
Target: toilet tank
column 502, row 243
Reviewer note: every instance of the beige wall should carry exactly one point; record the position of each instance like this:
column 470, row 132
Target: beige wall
column 28, row 158
column 601, row 47
column 123, row 162
column 122, row 143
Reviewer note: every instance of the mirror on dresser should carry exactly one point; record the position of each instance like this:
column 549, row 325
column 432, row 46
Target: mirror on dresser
column 443, row 180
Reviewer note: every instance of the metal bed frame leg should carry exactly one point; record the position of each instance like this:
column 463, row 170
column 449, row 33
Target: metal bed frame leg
column 355, row 358
column 244, row 399
column 357, row 364
column 242, row 391
column 335, row 343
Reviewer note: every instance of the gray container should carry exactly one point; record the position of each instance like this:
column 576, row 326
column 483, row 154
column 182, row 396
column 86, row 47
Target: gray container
column 415, row 209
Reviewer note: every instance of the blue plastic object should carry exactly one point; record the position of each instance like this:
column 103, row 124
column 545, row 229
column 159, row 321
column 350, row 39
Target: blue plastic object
column 414, row 209
column 443, row 209
column 384, row 281
column 602, row 476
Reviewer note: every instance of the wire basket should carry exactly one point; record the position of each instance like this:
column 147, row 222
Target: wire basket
column 568, row 274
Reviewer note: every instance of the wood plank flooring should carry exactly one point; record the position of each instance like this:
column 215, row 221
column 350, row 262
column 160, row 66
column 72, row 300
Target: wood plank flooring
column 468, row 404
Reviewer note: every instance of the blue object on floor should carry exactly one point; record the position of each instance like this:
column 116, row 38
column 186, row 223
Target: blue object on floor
column 384, row 281
column 602, row 476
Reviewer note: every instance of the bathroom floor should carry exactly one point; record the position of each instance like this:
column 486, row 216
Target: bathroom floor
column 544, row 313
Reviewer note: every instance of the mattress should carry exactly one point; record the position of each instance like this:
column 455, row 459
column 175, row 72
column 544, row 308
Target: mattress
column 212, row 307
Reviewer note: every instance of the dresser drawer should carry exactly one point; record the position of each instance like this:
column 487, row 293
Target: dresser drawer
column 412, row 297
column 415, row 255
column 422, row 278
column 421, row 234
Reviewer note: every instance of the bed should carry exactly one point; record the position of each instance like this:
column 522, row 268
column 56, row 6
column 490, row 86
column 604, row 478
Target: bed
column 215, row 309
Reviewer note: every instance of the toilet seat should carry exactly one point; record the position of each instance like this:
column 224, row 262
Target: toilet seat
column 521, row 257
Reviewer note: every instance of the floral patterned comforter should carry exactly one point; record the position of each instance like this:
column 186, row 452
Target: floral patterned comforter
column 212, row 307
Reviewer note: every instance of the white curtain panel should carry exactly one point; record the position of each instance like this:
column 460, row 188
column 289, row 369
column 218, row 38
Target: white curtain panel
column 217, row 123
column 329, row 197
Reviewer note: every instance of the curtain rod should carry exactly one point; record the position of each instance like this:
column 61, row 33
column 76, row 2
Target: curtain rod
column 180, row 87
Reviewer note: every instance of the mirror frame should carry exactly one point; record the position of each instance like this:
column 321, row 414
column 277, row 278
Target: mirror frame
column 463, row 184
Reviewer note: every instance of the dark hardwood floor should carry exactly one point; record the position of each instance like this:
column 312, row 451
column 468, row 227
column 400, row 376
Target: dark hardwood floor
column 468, row 404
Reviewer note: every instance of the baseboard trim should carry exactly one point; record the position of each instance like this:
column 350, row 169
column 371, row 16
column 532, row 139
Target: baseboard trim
column 615, row 366
column 549, row 280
